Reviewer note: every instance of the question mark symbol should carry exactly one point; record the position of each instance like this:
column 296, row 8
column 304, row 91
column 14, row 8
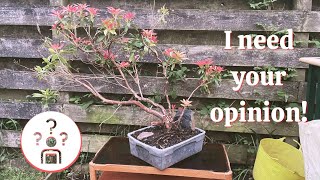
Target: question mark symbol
column 38, row 138
column 54, row 124
column 65, row 137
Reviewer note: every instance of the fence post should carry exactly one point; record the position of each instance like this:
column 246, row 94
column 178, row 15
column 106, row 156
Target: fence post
column 303, row 5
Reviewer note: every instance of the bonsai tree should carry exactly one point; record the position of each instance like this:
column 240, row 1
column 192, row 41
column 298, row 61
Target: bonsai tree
column 113, row 47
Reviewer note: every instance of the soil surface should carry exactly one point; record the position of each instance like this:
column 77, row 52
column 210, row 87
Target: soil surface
column 163, row 138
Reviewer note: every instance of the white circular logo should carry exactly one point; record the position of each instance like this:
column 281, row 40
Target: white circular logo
column 51, row 142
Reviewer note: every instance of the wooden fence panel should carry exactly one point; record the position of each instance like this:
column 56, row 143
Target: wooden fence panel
column 33, row 48
column 134, row 116
column 188, row 17
column 151, row 85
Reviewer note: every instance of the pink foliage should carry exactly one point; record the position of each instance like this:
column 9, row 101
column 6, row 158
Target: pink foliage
column 129, row 16
column 204, row 62
column 114, row 11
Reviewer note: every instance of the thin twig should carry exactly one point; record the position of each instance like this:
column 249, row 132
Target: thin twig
column 114, row 112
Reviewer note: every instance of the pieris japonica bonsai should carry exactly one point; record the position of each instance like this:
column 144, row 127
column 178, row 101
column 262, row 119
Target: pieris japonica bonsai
column 114, row 46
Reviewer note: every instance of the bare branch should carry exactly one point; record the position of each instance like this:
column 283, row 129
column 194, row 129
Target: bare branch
column 109, row 101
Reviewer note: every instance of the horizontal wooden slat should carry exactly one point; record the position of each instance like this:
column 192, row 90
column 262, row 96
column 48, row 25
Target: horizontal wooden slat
column 24, row 110
column 33, row 48
column 171, row 4
column 151, row 85
column 24, row 3
column 235, row 57
column 26, row 16
column 92, row 143
column 190, row 4
column 187, row 19
column 22, row 48
column 135, row 116
column 25, row 32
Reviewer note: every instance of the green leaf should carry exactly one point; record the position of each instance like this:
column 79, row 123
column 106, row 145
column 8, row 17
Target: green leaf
column 85, row 105
column 138, row 44
column 37, row 95
column 145, row 49
column 51, row 51
column 100, row 38
column 173, row 94
column 45, row 60
column 131, row 58
column 75, row 99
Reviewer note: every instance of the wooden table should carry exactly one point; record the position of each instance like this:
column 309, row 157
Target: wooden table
column 116, row 163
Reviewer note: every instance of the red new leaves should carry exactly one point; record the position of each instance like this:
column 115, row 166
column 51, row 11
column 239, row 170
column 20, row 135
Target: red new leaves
column 124, row 64
column 114, row 11
column 176, row 55
column 56, row 46
column 204, row 62
column 207, row 65
column 129, row 16
column 92, row 11
column 150, row 35
column 115, row 50
column 108, row 55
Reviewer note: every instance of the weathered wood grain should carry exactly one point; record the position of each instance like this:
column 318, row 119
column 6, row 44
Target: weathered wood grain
column 300, row 75
column 207, row 18
column 26, row 110
column 191, row 4
column 13, row 95
column 92, row 143
column 26, row 16
column 9, row 138
column 174, row 4
column 24, row 32
column 135, row 116
column 304, row 5
column 23, row 3
column 302, row 91
column 58, row 2
column 33, row 48
column 235, row 57
column 123, row 130
column 151, row 86
column 186, row 19
column 22, row 48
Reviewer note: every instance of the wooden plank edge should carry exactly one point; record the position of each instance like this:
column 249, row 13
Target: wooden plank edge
column 33, row 48
column 99, row 114
column 186, row 19
column 150, row 86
